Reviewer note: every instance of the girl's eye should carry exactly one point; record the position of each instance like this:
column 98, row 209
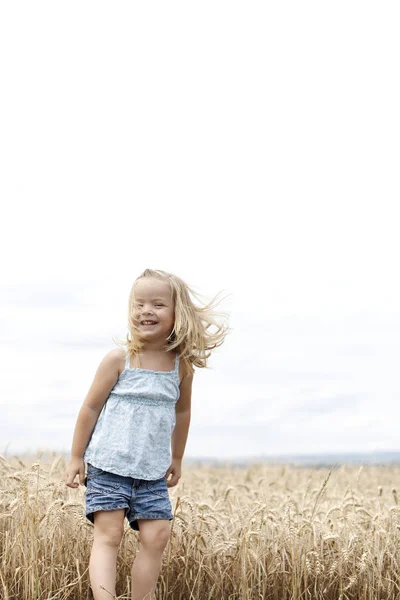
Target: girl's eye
column 155, row 304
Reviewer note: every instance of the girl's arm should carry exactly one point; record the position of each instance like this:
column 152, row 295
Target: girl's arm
column 104, row 380
column 181, row 430
column 182, row 414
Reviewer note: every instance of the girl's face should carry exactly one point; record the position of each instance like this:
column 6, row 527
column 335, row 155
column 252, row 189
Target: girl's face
column 153, row 302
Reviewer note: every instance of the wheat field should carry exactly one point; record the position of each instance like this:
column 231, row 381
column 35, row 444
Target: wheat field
column 274, row 532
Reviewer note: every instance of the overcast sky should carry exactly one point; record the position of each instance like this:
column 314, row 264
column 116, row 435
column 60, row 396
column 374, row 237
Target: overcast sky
column 249, row 148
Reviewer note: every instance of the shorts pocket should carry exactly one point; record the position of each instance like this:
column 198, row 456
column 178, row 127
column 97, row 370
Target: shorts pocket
column 158, row 487
column 92, row 471
column 101, row 481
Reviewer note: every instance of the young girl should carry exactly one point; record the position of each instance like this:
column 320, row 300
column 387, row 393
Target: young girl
column 138, row 403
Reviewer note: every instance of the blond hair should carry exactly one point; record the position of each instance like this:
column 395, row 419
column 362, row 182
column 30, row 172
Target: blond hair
column 189, row 336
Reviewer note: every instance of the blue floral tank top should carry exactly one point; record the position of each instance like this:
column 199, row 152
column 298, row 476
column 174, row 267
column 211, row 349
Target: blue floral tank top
column 132, row 435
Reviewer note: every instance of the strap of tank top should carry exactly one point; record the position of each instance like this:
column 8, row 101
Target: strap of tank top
column 177, row 363
column 127, row 360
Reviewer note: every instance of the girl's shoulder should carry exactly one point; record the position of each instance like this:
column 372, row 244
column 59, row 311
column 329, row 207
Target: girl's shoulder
column 121, row 354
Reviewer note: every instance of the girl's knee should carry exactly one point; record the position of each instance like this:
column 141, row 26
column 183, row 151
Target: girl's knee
column 109, row 526
column 154, row 533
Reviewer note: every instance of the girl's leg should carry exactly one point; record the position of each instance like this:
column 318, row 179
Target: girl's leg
column 108, row 532
column 154, row 535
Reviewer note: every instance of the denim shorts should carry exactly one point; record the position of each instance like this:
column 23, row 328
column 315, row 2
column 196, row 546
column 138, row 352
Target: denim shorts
column 142, row 499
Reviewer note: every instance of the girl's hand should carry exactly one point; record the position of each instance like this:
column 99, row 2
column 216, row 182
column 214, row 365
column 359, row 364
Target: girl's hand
column 175, row 470
column 76, row 466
